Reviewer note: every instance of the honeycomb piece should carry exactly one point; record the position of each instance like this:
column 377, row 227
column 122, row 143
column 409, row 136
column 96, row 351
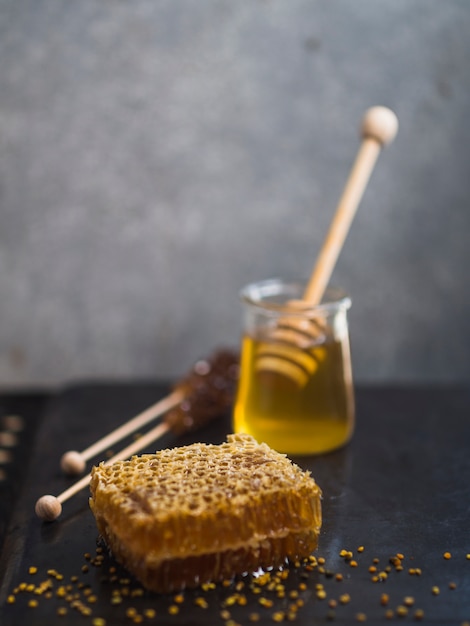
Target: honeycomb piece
column 200, row 513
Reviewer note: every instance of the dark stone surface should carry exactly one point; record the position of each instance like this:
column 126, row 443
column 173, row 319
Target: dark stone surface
column 401, row 486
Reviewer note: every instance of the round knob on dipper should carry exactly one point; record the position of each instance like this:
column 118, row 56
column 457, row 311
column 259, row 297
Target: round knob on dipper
column 48, row 508
column 380, row 123
column 73, row 463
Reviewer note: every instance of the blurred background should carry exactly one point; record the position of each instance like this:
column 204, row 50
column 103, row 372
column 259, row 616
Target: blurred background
column 157, row 155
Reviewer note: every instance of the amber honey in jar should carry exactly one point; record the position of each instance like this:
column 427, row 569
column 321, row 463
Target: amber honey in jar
column 295, row 390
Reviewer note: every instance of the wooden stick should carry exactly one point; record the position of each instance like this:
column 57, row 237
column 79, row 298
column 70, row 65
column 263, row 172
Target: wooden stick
column 209, row 390
column 49, row 507
column 74, row 463
column 285, row 356
column 379, row 127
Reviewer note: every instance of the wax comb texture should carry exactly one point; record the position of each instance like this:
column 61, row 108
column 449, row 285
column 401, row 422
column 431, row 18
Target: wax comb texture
column 200, row 513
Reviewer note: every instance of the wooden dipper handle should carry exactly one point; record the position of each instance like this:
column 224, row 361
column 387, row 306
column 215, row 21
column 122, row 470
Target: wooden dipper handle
column 379, row 127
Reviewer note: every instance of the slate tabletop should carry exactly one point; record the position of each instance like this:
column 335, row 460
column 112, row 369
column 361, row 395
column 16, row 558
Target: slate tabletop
column 394, row 545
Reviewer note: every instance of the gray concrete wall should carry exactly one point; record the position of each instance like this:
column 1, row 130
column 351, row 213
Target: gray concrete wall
column 156, row 155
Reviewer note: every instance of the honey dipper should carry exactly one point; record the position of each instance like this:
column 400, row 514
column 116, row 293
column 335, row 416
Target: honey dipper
column 204, row 391
column 287, row 354
column 207, row 391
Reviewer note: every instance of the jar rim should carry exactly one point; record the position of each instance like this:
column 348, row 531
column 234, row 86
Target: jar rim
column 263, row 294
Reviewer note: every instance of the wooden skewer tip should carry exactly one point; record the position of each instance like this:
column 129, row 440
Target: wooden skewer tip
column 48, row 508
column 73, row 463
